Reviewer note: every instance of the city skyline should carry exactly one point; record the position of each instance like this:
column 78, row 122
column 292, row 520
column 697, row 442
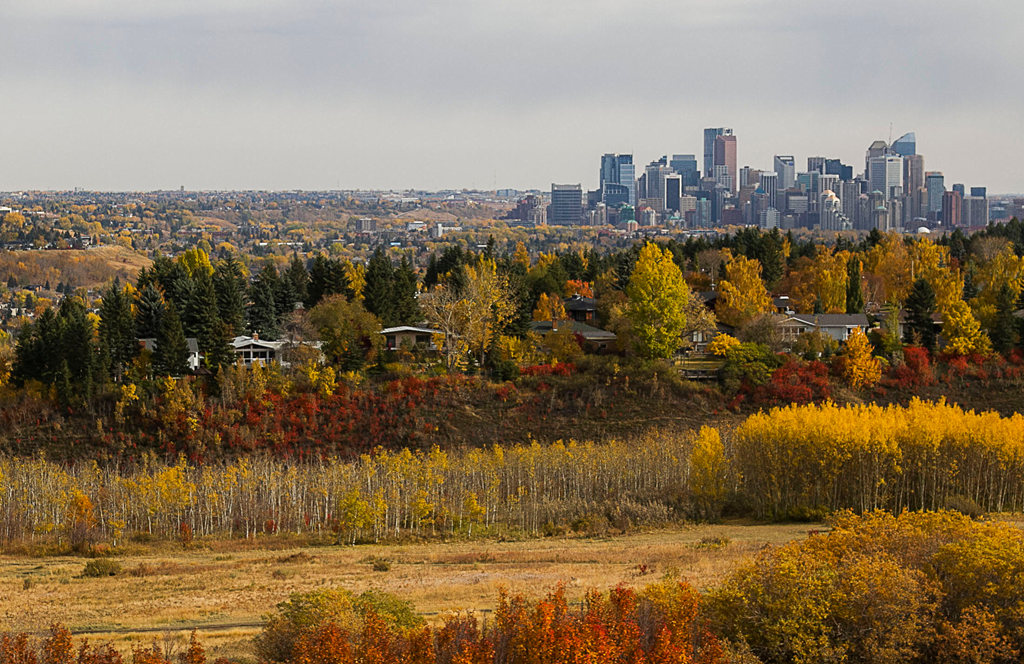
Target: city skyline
column 227, row 94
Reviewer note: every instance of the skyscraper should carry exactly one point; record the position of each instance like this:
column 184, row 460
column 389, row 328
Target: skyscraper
column 885, row 174
column 816, row 164
column 913, row 173
column 785, row 168
column 952, row 209
column 769, row 186
column 710, row 135
column 935, row 183
column 905, row 145
column 686, row 166
column 618, row 170
column 566, row 207
column 725, row 155
column 975, row 211
column 673, row 186
column 876, row 149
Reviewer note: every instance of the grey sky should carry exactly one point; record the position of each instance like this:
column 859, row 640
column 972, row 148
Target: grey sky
column 124, row 94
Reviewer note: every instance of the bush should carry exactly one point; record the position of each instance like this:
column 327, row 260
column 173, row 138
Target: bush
column 101, row 567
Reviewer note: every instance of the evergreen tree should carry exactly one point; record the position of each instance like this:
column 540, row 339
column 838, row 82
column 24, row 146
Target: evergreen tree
column 149, row 311
column 920, row 307
column 854, row 294
column 202, row 315
column 297, row 278
column 378, row 294
column 404, row 310
column 262, row 313
column 171, row 358
column 219, row 352
column 117, row 329
column 1004, row 327
column 229, row 281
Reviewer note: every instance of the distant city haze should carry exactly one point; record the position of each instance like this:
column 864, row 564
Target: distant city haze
column 304, row 94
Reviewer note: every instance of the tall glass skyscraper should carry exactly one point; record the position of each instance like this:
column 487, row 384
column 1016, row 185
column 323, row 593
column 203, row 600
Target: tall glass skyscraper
column 710, row 134
column 905, row 145
column 618, row 169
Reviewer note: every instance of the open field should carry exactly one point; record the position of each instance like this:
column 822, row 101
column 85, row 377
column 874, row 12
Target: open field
column 223, row 590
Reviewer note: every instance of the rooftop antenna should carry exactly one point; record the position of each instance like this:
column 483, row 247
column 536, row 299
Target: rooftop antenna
column 890, row 133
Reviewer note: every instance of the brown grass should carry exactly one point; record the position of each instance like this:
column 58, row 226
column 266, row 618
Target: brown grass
column 224, row 593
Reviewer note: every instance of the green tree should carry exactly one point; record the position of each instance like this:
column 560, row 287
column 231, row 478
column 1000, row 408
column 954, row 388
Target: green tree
column 1004, row 325
column 262, row 313
column 378, row 293
column 404, row 310
column 297, row 278
column 658, row 298
column 229, row 281
column 171, row 357
column 920, row 327
column 149, row 310
column 350, row 334
column 854, row 293
column 117, row 329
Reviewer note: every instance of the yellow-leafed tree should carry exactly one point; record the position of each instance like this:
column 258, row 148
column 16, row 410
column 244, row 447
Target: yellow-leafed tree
column 742, row 295
column 658, row 297
column 861, row 369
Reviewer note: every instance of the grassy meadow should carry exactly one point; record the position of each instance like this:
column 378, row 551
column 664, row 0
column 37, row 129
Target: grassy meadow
column 223, row 588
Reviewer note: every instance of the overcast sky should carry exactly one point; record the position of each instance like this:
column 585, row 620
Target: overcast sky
column 321, row 94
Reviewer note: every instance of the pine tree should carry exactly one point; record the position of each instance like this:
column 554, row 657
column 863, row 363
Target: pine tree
column 262, row 313
column 1004, row 327
column 149, row 311
column 378, row 294
column 920, row 307
column 171, row 357
column 405, row 310
column 298, row 278
column 202, row 316
column 229, row 280
column 854, row 293
column 117, row 329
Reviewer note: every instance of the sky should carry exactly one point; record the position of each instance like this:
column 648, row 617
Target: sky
column 121, row 95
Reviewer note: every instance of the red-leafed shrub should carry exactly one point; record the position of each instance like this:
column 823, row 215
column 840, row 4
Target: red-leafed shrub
column 560, row 369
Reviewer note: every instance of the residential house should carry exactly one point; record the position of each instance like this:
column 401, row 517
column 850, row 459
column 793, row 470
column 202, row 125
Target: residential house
column 194, row 357
column 592, row 339
column 837, row 326
column 407, row 336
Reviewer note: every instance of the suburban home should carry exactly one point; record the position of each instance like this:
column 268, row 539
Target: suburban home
column 837, row 326
column 593, row 339
column 407, row 336
column 194, row 358
column 255, row 350
column 582, row 309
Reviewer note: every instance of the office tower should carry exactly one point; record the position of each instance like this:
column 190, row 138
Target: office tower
column 768, row 218
column 702, row 213
column 815, row 164
column 934, row 182
column 566, row 208
column 769, row 186
column 905, row 145
column 746, row 177
column 876, row 149
column 979, row 192
column 673, row 191
column 686, row 166
column 952, row 209
column 618, row 170
column 885, row 174
column 710, row 135
column 654, row 178
column 828, row 182
column 837, row 167
column 687, row 204
column 975, row 211
column 849, row 193
column 830, row 211
column 913, row 173
column 785, row 168
column 725, row 155
column 808, row 182
column 960, row 189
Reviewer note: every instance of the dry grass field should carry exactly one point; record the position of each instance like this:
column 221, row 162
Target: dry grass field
column 223, row 590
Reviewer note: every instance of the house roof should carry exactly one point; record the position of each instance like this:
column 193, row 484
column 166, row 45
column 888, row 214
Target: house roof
column 409, row 328
column 829, row 320
column 243, row 342
column 191, row 342
column 588, row 332
column 579, row 303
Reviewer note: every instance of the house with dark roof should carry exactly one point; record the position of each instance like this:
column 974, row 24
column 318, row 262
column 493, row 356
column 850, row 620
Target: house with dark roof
column 592, row 339
column 408, row 336
column 582, row 309
column 837, row 326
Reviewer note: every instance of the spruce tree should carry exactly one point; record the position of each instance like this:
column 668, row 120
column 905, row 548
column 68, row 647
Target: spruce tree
column 297, row 278
column 920, row 307
column 404, row 309
column 854, row 294
column 149, row 311
column 117, row 329
column 262, row 313
column 378, row 294
column 1004, row 327
column 229, row 281
column 171, row 358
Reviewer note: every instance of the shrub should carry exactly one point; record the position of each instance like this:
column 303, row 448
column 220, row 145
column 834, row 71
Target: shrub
column 101, row 567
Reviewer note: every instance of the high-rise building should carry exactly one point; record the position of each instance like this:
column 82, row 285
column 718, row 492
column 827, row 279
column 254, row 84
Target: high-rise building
column 952, row 209
column 876, row 149
column 979, row 192
column 828, row 182
column 913, row 173
column 673, row 186
column 816, row 164
column 837, row 167
column 905, row 145
column 566, row 208
column 710, row 134
column 849, row 193
column 654, row 177
column 960, row 189
column 934, row 182
column 975, row 211
column 785, row 168
column 725, row 155
column 686, row 166
column 769, row 186
column 618, row 169
column 885, row 174
column 830, row 211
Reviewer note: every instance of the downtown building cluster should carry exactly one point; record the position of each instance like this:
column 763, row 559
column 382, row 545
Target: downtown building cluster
column 894, row 192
